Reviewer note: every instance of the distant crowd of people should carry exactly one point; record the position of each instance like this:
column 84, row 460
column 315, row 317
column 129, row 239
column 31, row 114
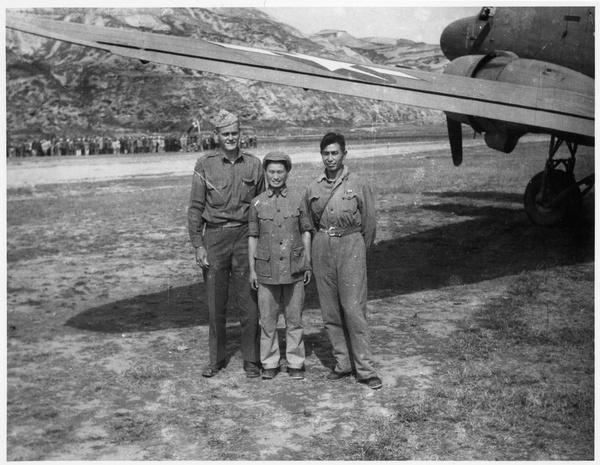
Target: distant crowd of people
column 98, row 145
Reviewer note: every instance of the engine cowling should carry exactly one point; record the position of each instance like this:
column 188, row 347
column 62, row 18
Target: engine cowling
column 509, row 68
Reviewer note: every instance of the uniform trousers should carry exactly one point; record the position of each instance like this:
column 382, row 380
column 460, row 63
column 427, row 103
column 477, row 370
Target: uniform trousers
column 291, row 296
column 227, row 254
column 340, row 270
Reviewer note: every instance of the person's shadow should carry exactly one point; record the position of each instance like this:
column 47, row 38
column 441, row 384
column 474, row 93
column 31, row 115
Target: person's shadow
column 177, row 307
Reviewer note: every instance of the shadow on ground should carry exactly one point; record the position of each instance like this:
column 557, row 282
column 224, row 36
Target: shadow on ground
column 490, row 242
column 178, row 307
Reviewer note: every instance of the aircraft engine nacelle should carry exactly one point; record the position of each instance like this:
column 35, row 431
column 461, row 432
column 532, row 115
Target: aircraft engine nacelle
column 509, row 68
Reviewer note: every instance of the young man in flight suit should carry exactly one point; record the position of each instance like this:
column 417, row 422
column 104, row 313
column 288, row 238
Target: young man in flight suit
column 342, row 210
column 279, row 255
column 224, row 183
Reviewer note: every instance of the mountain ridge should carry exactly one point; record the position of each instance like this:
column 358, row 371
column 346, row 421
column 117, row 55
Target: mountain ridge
column 55, row 88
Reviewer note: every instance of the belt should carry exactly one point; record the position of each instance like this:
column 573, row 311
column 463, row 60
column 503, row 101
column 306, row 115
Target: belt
column 334, row 231
column 227, row 224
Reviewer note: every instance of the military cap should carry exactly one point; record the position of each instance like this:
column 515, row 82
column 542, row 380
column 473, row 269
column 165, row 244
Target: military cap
column 224, row 118
column 279, row 157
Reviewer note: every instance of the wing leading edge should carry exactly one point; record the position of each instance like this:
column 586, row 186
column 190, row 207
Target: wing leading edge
column 542, row 108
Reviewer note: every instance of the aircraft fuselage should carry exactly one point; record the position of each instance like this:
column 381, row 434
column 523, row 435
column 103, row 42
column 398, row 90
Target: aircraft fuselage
column 563, row 36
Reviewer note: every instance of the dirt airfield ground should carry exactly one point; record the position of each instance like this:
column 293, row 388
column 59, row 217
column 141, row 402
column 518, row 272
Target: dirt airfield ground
column 106, row 321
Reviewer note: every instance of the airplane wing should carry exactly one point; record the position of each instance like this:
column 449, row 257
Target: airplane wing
column 543, row 108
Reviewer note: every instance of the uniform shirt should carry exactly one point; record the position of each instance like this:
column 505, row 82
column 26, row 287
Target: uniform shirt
column 222, row 191
column 351, row 205
column 278, row 222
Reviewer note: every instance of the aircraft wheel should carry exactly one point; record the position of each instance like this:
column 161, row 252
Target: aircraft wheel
column 551, row 213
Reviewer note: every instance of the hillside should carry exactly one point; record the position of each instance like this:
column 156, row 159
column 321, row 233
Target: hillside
column 58, row 89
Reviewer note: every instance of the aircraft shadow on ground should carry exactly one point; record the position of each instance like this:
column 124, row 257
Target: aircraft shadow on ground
column 490, row 196
column 490, row 242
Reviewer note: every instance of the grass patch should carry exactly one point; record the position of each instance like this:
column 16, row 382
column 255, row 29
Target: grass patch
column 125, row 429
column 510, row 389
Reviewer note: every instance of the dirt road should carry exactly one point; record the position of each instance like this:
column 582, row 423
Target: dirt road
column 33, row 172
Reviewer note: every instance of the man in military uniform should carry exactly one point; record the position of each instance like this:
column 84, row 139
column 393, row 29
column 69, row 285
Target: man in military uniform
column 279, row 255
column 224, row 183
column 342, row 211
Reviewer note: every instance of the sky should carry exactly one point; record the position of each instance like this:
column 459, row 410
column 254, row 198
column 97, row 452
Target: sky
column 379, row 19
column 420, row 24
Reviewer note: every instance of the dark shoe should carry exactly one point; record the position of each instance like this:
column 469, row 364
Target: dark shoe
column 336, row 375
column 211, row 370
column 296, row 373
column 270, row 373
column 374, row 382
column 252, row 370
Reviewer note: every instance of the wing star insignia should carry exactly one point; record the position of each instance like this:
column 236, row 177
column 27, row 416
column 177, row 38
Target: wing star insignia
column 245, row 49
column 330, row 65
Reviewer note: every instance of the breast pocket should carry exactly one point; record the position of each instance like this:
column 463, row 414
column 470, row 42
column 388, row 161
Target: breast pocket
column 266, row 214
column 216, row 192
column 263, row 263
column 291, row 213
column 349, row 202
column 248, row 188
column 265, row 218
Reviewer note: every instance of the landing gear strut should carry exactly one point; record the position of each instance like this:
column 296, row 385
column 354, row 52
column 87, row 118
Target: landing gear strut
column 553, row 196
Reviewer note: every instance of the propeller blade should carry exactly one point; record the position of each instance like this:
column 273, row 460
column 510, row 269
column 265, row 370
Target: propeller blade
column 481, row 37
column 455, row 136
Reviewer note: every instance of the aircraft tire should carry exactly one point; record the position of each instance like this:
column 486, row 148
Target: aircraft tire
column 546, row 214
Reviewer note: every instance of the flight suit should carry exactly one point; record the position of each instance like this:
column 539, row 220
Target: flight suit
column 343, row 214
column 218, row 221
